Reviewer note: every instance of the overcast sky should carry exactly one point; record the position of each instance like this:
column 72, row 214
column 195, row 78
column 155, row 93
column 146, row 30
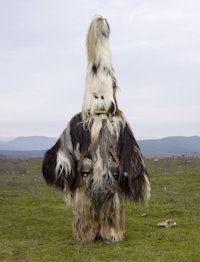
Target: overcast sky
column 156, row 56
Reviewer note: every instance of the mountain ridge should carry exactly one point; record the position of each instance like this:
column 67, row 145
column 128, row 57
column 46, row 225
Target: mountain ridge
column 171, row 144
column 28, row 143
column 37, row 145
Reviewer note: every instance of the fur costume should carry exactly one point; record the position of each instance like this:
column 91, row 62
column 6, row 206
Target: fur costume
column 97, row 160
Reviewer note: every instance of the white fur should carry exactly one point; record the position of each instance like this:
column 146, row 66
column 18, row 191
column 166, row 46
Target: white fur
column 99, row 87
column 99, row 170
column 98, row 93
column 64, row 161
column 147, row 190
column 98, row 46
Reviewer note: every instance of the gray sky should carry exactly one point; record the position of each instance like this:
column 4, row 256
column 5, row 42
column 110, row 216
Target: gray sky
column 156, row 55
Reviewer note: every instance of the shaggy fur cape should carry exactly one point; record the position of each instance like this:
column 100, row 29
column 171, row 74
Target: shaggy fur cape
column 97, row 160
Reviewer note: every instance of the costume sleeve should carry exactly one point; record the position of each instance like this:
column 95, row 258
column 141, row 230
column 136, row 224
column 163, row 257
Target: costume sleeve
column 134, row 179
column 59, row 163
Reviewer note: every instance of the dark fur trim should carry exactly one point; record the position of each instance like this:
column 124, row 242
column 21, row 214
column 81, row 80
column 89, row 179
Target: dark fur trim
column 80, row 134
column 132, row 170
column 112, row 108
column 49, row 165
column 49, row 170
column 95, row 69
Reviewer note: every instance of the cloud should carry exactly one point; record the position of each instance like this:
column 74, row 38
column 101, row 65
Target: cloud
column 156, row 55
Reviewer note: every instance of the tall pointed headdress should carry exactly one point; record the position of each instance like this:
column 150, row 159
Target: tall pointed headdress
column 100, row 92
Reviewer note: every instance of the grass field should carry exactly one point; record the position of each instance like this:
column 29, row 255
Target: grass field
column 35, row 224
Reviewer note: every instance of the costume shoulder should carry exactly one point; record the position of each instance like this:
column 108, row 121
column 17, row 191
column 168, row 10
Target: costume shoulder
column 59, row 163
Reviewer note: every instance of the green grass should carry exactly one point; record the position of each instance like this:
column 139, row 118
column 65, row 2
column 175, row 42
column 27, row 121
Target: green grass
column 35, row 224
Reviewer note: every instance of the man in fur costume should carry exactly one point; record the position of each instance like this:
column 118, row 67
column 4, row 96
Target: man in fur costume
column 97, row 160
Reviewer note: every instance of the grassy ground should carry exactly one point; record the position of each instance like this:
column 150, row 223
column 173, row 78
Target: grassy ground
column 35, row 224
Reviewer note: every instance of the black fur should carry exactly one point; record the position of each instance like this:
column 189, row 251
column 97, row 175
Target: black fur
column 112, row 108
column 49, row 169
column 131, row 165
column 80, row 133
column 95, row 69
column 49, row 165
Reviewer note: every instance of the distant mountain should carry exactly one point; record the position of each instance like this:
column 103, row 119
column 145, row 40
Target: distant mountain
column 36, row 146
column 21, row 154
column 29, row 143
column 171, row 145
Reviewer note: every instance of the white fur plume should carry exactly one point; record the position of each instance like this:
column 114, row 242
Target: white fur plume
column 99, row 93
